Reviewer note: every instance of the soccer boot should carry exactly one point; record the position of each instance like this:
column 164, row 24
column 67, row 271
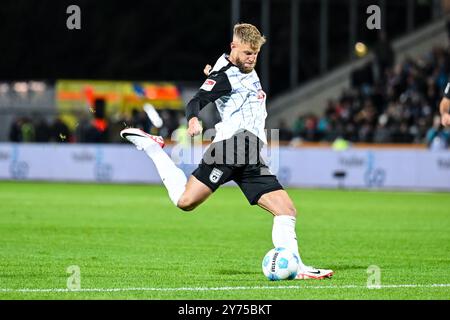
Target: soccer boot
column 141, row 139
column 313, row 273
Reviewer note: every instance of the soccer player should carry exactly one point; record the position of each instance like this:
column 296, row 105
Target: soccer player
column 234, row 87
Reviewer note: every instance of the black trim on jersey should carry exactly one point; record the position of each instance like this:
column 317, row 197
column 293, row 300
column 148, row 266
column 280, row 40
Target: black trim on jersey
column 221, row 88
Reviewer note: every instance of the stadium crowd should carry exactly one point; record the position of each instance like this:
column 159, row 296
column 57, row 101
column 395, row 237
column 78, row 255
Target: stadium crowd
column 386, row 103
column 90, row 129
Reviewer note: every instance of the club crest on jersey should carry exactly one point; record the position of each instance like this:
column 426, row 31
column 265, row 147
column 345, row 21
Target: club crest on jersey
column 208, row 85
column 215, row 175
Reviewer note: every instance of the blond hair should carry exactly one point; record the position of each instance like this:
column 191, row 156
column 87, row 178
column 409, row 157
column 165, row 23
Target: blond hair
column 249, row 34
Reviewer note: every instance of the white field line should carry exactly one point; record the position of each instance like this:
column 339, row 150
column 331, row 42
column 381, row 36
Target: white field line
column 389, row 286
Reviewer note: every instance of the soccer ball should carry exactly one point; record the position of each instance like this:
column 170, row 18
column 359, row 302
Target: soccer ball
column 280, row 264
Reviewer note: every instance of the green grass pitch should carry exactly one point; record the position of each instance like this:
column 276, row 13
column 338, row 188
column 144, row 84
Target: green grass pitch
column 130, row 242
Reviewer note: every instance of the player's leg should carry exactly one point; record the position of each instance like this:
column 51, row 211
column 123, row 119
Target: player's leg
column 262, row 188
column 202, row 183
column 283, row 232
column 280, row 205
column 195, row 193
column 186, row 195
column 173, row 177
column 209, row 175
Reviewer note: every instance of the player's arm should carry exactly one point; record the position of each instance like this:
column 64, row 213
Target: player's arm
column 444, row 107
column 214, row 87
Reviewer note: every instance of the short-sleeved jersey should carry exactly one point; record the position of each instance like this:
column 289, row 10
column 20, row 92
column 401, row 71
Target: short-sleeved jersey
column 238, row 97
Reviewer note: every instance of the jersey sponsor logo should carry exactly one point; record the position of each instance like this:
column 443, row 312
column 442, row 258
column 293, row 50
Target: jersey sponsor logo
column 215, row 175
column 208, row 85
column 257, row 85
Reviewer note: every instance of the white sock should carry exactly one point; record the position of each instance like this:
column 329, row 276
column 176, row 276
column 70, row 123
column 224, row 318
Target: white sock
column 172, row 176
column 283, row 235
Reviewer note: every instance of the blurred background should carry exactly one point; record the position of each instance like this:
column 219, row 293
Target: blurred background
column 332, row 82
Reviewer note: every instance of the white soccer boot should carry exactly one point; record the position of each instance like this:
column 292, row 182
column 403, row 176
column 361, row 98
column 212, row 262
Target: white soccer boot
column 141, row 139
column 313, row 273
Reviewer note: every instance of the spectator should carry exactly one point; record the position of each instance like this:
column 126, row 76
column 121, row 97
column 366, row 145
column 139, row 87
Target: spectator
column 97, row 131
column 322, row 127
column 42, row 130
column 310, row 130
column 59, row 131
column 299, row 126
column 401, row 133
column 170, row 122
column 15, row 133
column 81, row 129
column 27, row 130
column 382, row 133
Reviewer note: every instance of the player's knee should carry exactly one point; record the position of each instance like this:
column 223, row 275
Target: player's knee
column 186, row 204
column 291, row 211
column 285, row 211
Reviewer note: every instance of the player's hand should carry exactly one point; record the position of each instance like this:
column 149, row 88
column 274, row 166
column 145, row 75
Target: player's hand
column 194, row 127
column 445, row 120
column 207, row 69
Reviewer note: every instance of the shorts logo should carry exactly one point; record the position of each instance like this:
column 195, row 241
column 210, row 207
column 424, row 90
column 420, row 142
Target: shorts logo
column 208, row 85
column 215, row 175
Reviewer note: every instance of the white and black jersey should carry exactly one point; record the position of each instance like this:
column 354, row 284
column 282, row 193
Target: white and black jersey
column 239, row 98
column 241, row 103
